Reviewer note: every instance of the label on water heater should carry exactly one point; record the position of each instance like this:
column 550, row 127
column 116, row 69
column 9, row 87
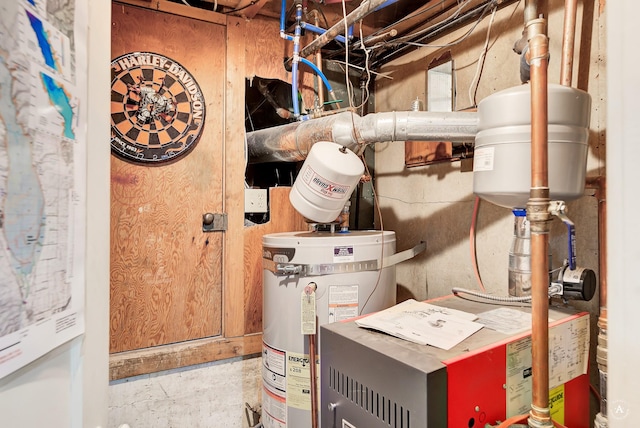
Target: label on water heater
column 323, row 186
column 343, row 254
column 298, row 381
column 274, row 410
column 483, row 159
column 343, row 302
column 274, row 385
column 308, row 312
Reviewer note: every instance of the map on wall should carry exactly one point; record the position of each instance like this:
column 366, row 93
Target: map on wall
column 42, row 176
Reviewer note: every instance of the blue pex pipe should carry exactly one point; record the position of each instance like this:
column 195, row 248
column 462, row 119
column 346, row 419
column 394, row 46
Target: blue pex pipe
column 294, row 67
column 385, row 4
column 282, row 20
column 319, row 30
column 318, row 72
column 282, row 12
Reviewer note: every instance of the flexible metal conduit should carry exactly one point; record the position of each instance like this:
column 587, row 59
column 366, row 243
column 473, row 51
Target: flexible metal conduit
column 292, row 142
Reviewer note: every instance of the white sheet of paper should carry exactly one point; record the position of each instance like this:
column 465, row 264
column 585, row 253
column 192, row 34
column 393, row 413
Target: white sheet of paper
column 423, row 323
column 506, row 320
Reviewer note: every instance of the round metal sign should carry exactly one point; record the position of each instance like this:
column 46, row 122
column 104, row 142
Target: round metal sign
column 157, row 108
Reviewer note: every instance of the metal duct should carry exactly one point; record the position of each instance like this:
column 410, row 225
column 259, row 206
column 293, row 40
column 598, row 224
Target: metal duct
column 292, row 142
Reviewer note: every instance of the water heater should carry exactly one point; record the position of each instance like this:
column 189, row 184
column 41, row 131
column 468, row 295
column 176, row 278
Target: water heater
column 502, row 154
column 349, row 279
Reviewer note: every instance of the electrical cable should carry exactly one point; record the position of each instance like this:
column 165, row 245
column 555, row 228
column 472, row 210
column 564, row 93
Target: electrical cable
column 554, row 290
column 346, row 50
column 185, row 2
column 458, row 290
column 472, row 243
column 366, row 68
column 452, row 17
column 481, row 60
column 595, row 392
column 410, row 16
column 483, row 12
column 480, row 68
column 377, row 204
column 253, row 128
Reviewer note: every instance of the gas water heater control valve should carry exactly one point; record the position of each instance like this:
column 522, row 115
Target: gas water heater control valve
column 577, row 283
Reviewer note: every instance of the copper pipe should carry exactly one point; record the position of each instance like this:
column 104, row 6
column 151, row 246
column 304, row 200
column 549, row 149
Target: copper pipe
column 530, row 10
column 540, row 329
column 316, row 22
column 314, row 383
column 568, row 41
column 539, row 218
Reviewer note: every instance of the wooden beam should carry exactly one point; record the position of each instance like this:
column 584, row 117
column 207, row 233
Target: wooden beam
column 152, row 360
column 234, row 166
column 178, row 9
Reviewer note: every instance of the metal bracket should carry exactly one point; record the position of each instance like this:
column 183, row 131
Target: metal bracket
column 214, row 222
column 336, row 268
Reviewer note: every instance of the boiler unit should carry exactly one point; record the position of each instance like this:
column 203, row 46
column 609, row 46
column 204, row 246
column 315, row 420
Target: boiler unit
column 337, row 275
column 373, row 380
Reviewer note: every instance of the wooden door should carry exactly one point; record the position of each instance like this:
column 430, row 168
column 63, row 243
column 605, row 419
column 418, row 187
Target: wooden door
column 166, row 273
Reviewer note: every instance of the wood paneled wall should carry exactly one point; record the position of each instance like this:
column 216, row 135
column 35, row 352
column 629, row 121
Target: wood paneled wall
column 166, row 273
column 181, row 296
column 283, row 219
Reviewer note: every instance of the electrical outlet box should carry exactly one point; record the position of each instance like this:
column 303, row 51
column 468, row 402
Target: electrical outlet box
column 255, row 201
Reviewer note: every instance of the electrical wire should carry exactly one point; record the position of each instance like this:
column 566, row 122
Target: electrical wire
column 472, row 243
column 411, row 16
column 463, row 37
column 346, row 50
column 458, row 290
column 554, row 290
column 452, row 17
column 366, row 68
column 480, row 68
column 377, row 204
column 595, row 392
column 481, row 60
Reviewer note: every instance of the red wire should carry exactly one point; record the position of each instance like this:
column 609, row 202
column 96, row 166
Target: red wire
column 472, row 242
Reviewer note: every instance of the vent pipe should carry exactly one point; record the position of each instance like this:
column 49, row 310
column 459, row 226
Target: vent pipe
column 292, row 142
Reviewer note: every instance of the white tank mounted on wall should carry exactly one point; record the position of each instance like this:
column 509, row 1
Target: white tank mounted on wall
column 502, row 154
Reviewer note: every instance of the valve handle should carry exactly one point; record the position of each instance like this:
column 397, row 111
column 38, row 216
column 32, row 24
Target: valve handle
column 572, row 245
column 571, row 229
